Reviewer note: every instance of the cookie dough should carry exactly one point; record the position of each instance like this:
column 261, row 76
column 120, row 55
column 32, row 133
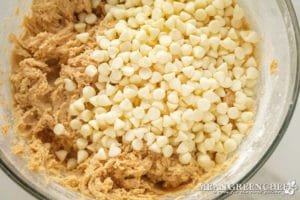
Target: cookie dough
column 45, row 55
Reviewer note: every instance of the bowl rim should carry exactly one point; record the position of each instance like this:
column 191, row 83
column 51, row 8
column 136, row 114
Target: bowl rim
column 295, row 25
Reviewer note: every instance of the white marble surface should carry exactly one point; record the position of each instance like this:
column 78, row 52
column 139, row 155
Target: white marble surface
column 282, row 166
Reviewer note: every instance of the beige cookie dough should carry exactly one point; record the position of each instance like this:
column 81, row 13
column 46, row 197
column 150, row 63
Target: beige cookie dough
column 47, row 53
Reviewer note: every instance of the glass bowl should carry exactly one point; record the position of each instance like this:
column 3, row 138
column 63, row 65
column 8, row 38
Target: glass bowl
column 277, row 24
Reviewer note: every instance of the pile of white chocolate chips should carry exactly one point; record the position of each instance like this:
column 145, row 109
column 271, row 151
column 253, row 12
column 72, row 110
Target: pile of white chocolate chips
column 174, row 77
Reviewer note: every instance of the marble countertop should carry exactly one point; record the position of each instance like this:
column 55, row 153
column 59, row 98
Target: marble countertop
column 283, row 165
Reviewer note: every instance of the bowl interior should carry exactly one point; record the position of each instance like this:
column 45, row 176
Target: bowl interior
column 276, row 94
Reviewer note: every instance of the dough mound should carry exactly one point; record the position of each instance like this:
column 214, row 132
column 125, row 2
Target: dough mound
column 47, row 53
